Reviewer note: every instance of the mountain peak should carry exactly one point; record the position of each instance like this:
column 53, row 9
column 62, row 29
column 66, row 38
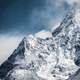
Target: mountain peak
column 71, row 21
column 46, row 55
column 39, row 54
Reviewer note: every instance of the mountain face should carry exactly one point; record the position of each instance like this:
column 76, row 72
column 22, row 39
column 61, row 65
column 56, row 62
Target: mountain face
column 69, row 30
column 47, row 55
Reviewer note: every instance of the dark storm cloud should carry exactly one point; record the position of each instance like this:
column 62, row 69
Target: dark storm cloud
column 28, row 15
column 15, row 14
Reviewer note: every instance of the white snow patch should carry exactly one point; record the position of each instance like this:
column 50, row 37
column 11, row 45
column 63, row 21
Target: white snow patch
column 43, row 34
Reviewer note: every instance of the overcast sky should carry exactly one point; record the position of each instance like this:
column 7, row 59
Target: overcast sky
column 22, row 17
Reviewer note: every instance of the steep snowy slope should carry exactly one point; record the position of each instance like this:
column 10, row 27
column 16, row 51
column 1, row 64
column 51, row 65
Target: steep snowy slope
column 68, row 36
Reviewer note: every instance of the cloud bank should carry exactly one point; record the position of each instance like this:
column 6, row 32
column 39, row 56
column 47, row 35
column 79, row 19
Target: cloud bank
column 26, row 16
column 7, row 45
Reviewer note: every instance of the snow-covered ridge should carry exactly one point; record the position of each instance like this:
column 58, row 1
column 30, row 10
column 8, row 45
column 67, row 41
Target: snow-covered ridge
column 43, row 57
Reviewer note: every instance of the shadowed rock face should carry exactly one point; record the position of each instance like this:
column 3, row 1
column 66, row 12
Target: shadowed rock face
column 75, row 76
column 77, row 60
column 9, row 64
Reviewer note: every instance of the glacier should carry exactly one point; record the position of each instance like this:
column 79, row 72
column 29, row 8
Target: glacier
column 47, row 55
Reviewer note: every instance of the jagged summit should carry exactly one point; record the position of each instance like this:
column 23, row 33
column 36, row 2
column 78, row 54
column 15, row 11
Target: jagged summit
column 46, row 55
column 71, row 21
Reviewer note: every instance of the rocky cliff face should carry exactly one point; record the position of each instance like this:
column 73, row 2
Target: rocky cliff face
column 46, row 55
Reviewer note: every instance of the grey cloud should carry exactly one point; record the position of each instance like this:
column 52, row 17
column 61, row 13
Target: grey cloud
column 27, row 16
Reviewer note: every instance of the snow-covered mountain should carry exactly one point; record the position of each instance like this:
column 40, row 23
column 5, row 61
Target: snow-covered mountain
column 47, row 55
